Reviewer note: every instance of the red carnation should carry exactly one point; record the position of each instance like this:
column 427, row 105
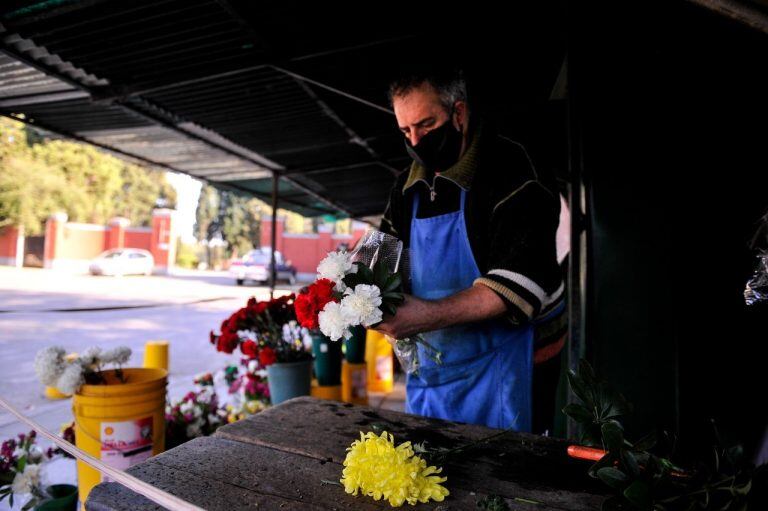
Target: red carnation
column 227, row 342
column 267, row 356
column 250, row 349
column 310, row 302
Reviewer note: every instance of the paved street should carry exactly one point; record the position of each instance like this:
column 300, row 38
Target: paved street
column 181, row 308
column 40, row 308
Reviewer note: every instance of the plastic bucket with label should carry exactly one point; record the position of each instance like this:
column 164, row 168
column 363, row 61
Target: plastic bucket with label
column 122, row 424
column 378, row 357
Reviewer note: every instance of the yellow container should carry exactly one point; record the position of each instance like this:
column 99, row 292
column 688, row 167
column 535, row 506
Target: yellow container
column 378, row 356
column 354, row 388
column 156, row 355
column 122, row 424
column 332, row 392
column 54, row 393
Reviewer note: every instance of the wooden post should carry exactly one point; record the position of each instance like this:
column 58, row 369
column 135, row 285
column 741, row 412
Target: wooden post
column 273, row 236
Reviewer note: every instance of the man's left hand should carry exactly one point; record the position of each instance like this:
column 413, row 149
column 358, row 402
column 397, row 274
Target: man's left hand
column 414, row 316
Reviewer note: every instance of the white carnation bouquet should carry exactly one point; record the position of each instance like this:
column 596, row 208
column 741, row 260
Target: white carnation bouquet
column 356, row 289
column 56, row 369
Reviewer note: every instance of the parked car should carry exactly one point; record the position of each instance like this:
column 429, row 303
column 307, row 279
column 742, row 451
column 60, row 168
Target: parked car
column 255, row 266
column 123, row 261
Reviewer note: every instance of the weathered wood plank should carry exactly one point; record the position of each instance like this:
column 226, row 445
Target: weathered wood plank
column 514, row 466
column 219, row 474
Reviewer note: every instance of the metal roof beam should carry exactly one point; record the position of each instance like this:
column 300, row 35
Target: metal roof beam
column 36, row 99
column 334, row 90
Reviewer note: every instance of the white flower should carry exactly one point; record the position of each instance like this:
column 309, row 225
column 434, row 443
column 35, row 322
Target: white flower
column 205, row 395
column 90, row 356
column 35, row 455
column 333, row 323
column 361, row 305
column 49, row 364
column 186, row 407
column 213, row 419
column 71, row 379
column 253, row 365
column 25, row 481
column 335, row 267
column 194, row 429
column 247, row 335
column 261, row 373
column 119, row 355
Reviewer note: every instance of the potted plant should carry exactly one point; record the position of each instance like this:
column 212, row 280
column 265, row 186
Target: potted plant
column 21, row 461
column 327, row 354
column 269, row 337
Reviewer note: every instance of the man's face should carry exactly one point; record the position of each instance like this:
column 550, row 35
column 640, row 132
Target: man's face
column 419, row 111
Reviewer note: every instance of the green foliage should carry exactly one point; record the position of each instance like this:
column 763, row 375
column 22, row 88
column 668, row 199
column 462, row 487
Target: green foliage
column 40, row 176
column 186, row 255
column 241, row 223
column 237, row 219
column 642, row 474
column 493, row 503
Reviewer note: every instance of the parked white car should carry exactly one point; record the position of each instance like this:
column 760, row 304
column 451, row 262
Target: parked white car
column 123, row 261
column 255, row 266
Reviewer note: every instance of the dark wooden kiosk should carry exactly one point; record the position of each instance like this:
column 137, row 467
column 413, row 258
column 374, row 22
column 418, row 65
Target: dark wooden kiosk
column 652, row 115
column 280, row 458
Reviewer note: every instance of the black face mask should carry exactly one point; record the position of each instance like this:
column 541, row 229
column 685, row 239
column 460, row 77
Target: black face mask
column 438, row 149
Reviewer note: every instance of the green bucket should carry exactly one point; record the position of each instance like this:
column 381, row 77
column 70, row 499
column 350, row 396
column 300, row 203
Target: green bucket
column 328, row 357
column 354, row 347
column 63, row 498
column 288, row 380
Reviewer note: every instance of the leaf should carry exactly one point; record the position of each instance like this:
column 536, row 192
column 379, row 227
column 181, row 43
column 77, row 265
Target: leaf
column 586, row 373
column 605, row 461
column 578, row 412
column 380, row 274
column 364, row 274
column 646, row 443
column 630, row 463
column 579, row 388
column 613, row 477
column 639, row 495
column 394, row 282
column 743, row 489
column 613, row 436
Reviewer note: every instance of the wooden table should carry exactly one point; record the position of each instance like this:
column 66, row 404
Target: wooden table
column 279, row 459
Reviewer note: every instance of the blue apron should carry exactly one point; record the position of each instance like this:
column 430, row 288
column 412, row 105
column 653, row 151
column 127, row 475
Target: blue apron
column 487, row 367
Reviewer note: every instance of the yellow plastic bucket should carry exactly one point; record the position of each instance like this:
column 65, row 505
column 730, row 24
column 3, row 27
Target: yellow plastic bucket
column 121, row 424
column 378, row 356
column 354, row 388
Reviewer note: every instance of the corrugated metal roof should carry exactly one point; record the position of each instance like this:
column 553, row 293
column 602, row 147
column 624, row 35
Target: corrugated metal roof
column 227, row 91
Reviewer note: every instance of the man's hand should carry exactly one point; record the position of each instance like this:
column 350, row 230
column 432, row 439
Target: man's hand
column 416, row 316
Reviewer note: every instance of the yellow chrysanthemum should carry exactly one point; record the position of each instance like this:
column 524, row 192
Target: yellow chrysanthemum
column 378, row 469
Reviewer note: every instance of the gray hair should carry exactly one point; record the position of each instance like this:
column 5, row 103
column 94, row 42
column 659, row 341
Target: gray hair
column 450, row 86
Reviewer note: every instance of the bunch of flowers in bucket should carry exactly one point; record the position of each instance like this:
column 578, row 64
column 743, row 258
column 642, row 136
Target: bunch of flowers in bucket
column 197, row 414
column 21, row 461
column 350, row 293
column 68, row 373
column 265, row 332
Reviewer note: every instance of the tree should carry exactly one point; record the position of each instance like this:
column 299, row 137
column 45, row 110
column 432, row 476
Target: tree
column 40, row 175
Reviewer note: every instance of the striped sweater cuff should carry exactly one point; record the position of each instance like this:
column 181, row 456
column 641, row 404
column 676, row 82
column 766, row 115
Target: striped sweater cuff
column 518, row 308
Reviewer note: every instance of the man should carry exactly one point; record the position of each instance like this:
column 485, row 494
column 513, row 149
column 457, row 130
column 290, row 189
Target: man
column 480, row 225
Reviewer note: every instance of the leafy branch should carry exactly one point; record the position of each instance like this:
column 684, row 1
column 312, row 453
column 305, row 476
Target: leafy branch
column 640, row 476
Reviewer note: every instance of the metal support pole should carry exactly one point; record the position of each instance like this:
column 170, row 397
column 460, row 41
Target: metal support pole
column 273, row 236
